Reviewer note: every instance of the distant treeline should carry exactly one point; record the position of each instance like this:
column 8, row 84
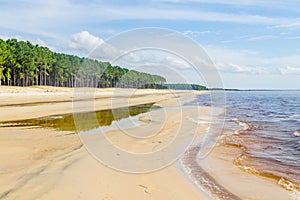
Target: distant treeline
column 25, row 64
column 180, row 86
column 177, row 86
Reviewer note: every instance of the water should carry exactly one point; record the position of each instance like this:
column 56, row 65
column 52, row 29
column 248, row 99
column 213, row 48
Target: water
column 266, row 126
column 66, row 122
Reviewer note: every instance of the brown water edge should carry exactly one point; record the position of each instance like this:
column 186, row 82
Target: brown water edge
column 259, row 167
column 66, row 122
column 218, row 176
column 202, row 179
column 244, row 163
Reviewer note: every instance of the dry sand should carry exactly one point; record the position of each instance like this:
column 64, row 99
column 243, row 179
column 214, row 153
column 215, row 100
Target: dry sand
column 41, row 163
column 24, row 103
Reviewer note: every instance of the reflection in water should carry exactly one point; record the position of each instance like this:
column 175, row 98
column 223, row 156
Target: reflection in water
column 66, row 122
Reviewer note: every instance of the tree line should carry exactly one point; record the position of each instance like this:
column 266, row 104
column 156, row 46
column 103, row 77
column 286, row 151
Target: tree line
column 25, row 64
column 183, row 86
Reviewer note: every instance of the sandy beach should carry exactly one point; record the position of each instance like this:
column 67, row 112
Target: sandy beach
column 44, row 163
column 39, row 163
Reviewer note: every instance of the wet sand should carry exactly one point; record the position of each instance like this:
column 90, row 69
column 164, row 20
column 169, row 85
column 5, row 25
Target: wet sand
column 41, row 163
column 219, row 165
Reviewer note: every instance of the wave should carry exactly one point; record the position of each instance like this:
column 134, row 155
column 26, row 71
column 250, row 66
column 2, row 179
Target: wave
column 293, row 191
column 202, row 179
column 267, row 134
column 297, row 133
column 245, row 125
column 291, row 187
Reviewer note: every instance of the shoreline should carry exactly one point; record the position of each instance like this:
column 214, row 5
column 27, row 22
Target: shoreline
column 203, row 180
column 162, row 184
column 221, row 167
column 45, row 165
column 17, row 103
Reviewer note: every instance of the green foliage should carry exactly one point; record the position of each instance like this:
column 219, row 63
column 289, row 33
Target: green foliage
column 180, row 86
column 5, row 57
column 25, row 64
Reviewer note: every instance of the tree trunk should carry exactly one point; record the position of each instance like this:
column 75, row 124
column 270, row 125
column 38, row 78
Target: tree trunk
column 40, row 75
column 37, row 77
column 45, row 77
column 14, row 78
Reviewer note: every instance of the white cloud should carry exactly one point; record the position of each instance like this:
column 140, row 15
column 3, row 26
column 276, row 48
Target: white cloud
column 58, row 18
column 287, row 25
column 153, row 57
column 290, row 70
column 292, row 38
column 105, row 52
column 228, row 55
column 84, row 41
column 193, row 15
column 248, row 62
column 38, row 41
column 43, row 17
column 6, row 37
column 262, row 37
column 227, row 41
column 235, row 68
column 282, row 61
column 41, row 42
column 93, row 46
column 287, row 4
column 199, row 33
column 228, row 2
column 175, row 62
column 252, row 38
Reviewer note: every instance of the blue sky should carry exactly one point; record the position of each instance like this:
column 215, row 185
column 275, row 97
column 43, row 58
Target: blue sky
column 253, row 43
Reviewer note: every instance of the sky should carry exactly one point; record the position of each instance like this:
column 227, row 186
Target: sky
column 254, row 44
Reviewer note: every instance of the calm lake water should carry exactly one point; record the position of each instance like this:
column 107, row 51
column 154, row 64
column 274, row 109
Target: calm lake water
column 265, row 125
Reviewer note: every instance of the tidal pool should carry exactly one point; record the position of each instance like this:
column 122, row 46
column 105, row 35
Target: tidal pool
column 66, row 122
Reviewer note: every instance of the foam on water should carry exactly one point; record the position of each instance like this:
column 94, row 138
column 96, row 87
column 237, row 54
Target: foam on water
column 265, row 126
column 202, row 179
column 294, row 193
column 297, row 133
